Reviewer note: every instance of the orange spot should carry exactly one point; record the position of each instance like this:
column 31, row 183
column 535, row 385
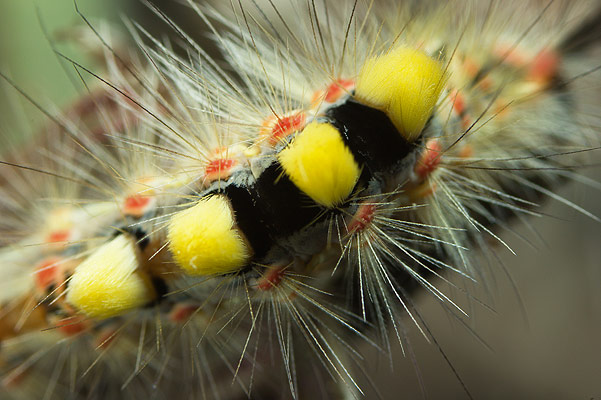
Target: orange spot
column 544, row 67
column 486, row 83
column 271, row 279
column 72, row 326
column 58, row 236
column 466, row 152
column 471, row 67
column 458, row 102
column 219, row 168
column 136, row 204
column 429, row 159
column 47, row 273
column 502, row 109
column 286, row 126
column 363, row 217
column 337, row 89
column 182, row 312
column 333, row 92
column 275, row 129
column 466, row 122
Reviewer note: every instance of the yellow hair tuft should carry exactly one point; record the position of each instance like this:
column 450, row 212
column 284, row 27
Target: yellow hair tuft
column 108, row 283
column 320, row 164
column 204, row 240
column 405, row 84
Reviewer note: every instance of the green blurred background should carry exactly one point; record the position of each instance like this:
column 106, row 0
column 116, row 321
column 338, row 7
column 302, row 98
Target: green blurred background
column 27, row 53
column 27, row 57
column 553, row 353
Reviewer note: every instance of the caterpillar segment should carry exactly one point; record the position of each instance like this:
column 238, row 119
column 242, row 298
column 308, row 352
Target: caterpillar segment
column 109, row 281
column 324, row 163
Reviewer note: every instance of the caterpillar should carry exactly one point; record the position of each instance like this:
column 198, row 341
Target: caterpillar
column 245, row 228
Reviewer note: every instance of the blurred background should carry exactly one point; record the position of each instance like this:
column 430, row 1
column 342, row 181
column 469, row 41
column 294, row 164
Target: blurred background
column 552, row 351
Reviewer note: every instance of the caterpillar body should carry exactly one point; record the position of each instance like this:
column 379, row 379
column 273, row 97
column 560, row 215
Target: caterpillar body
column 235, row 231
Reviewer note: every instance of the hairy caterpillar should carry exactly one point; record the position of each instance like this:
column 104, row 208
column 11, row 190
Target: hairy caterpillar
column 210, row 106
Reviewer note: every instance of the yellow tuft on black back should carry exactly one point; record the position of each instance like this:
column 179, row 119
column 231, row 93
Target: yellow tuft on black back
column 204, row 239
column 405, row 84
column 320, row 164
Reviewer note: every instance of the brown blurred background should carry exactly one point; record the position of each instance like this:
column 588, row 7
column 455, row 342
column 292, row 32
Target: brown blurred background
column 552, row 352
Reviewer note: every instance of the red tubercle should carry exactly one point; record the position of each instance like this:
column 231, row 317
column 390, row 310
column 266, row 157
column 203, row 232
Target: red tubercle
column 271, row 279
column 333, row 92
column 486, row 83
column 337, row 89
column 182, row 312
column 363, row 217
column 466, row 122
column 471, row 67
column 220, row 164
column 466, row 151
column 459, row 107
column 274, row 129
column 73, row 325
column 286, row 126
column 136, row 204
column 58, row 236
column 544, row 66
column 458, row 102
column 219, row 168
column 47, row 273
column 136, row 201
column 541, row 68
column 429, row 159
